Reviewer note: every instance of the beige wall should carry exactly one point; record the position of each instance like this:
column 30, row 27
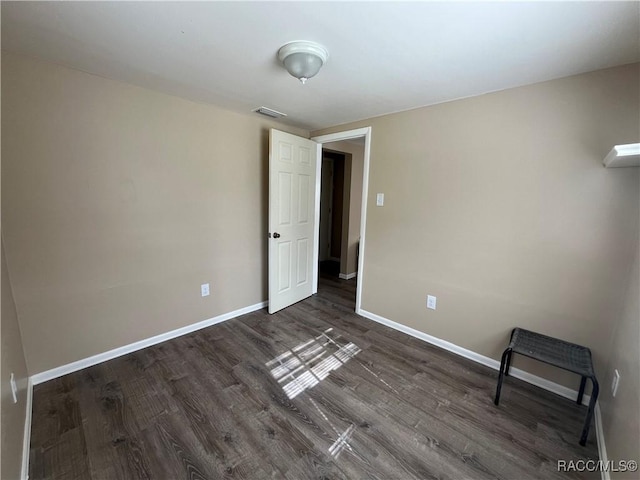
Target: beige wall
column 118, row 202
column 499, row 205
column 355, row 166
column 621, row 415
column 13, row 414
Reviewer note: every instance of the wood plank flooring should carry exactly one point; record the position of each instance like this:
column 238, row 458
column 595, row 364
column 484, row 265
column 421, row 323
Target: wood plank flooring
column 313, row 391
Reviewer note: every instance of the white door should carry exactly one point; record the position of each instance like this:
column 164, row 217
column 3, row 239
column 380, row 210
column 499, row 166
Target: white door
column 292, row 219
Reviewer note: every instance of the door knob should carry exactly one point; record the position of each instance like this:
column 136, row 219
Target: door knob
column 276, row 235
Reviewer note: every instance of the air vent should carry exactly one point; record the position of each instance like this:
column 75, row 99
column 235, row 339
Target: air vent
column 269, row 112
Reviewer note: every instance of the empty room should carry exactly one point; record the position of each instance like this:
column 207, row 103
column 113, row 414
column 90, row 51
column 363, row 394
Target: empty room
column 332, row 240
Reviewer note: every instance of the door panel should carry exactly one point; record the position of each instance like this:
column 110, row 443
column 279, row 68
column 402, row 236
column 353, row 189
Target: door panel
column 303, row 253
column 284, row 198
column 284, row 267
column 303, row 199
column 292, row 203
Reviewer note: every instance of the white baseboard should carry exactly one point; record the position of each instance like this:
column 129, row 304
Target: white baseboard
column 602, row 449
column 132, row 347
column 476, row 357
column 26, row 440
column 348, row 276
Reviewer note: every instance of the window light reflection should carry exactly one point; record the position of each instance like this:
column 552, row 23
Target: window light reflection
column 310, row 362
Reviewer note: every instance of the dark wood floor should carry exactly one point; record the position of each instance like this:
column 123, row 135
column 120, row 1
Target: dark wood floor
column 311, row 392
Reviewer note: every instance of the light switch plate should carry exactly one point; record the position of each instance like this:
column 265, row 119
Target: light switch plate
column 380, row 199
column 204, row 289
column 431, row 302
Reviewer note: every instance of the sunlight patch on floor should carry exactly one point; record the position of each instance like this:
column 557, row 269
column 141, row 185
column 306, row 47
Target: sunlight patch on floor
column 307, row 364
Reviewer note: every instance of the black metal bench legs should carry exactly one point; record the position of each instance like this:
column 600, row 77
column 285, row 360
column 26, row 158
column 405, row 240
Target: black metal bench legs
column 583, row 382
column 505, row 364
column 592, row 404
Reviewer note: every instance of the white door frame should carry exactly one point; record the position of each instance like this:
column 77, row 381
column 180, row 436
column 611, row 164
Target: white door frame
column 336, row 137
column 330, row 220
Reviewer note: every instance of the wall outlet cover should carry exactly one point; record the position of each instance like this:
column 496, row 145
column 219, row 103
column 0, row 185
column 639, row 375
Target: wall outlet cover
column 431, row 302
column 615, row 383
column 14, row 388
column 204, row 289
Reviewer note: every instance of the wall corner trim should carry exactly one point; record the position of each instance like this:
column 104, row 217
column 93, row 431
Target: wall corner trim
column 47, row 375
column 602, row 449
column 348, row 276
column 476, row 357
column 26, row 441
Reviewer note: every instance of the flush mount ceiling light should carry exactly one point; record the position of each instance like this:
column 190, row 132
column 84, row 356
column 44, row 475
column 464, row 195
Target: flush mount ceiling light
column 303, row 59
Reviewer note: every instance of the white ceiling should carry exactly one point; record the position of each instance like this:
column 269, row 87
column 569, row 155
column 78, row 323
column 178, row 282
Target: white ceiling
column 383, row 57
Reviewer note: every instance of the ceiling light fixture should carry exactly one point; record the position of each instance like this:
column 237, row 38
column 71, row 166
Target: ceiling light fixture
column 303, row 59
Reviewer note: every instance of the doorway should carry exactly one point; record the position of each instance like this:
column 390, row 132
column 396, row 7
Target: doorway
column 332, row 210
column 354, row 202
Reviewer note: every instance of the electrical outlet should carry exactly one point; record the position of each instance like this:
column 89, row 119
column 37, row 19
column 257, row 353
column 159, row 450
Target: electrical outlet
column 204, row 289
column 615, row 383
column 380, row 199
column 14, row 388
column 431, row 302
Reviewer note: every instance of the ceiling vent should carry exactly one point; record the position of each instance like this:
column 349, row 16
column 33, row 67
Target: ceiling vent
column 269, row 112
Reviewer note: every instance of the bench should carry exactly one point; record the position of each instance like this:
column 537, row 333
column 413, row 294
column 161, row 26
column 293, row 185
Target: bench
column 569, row 356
